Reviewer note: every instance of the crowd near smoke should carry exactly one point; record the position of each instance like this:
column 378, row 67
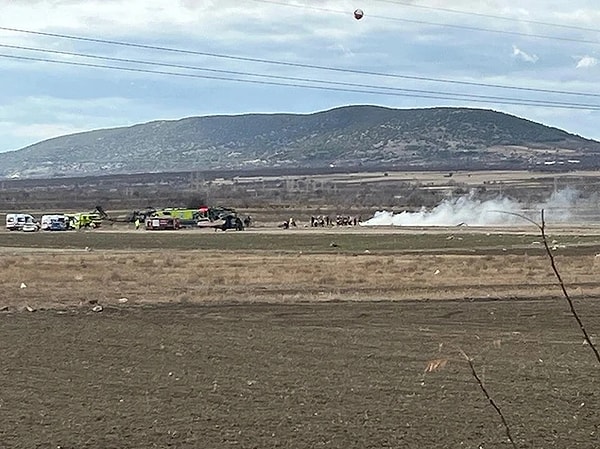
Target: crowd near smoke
column 470, row 211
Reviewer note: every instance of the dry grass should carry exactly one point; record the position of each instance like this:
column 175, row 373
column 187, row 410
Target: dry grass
column 69, row 279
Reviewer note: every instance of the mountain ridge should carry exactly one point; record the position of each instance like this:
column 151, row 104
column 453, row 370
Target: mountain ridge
column 444, row 138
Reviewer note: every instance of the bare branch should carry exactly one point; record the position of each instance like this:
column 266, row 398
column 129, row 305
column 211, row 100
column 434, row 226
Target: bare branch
column 542, row 228
column 524, row 217
column 490, row 399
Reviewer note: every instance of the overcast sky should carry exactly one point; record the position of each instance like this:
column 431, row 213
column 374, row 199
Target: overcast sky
column 536, row 46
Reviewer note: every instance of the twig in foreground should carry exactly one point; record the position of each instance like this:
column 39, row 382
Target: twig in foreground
column 490, row 399
column 542, row 228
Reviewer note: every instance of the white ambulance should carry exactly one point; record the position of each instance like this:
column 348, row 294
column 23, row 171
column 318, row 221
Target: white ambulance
column 15, row 222
column 55, row 222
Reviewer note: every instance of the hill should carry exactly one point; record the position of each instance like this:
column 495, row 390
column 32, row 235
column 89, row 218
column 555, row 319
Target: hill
column 350, row 136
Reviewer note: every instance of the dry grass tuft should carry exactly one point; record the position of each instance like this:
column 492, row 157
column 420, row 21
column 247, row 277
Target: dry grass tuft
column 436, row 365
column 161, row 276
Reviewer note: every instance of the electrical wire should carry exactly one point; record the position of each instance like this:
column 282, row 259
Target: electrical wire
column 437, row 24
column 461, row 96
column 489, row 16
column 517, row 102
column 295, row 64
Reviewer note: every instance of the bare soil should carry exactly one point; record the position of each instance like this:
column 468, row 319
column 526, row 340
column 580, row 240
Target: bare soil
column 343, row 375
column 260, row 341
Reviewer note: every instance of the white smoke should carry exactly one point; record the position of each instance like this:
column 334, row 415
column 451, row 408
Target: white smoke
column 468, row 210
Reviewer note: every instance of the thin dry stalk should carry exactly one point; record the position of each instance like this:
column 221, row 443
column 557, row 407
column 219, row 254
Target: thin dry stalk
column 490, row 399
column 542, row 228
column 574, row 313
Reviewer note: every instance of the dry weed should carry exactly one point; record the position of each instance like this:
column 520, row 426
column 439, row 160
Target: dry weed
column 436, row 365
column 282, row 276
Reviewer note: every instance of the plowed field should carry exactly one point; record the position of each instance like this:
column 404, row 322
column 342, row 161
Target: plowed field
column 300, row 346
column 343, row 375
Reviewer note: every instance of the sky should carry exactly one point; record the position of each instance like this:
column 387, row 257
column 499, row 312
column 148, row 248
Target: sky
column 539, row 60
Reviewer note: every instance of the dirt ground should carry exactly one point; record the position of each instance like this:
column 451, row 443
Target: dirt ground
column 342, row 375
column 262, row 345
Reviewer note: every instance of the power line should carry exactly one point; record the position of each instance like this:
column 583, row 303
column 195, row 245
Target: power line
column 461, row 96
column 489, row 16
column 295, row 64
column 437, row 24
column 517, row 102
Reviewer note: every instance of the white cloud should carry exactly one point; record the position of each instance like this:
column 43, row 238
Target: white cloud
column 587, row 62
column 213, row 20
column 72, row 110
column 39, row 99
column 585, row 16
column 35, row 118
column 18, row 134
column 523, row 56
column 42, row 131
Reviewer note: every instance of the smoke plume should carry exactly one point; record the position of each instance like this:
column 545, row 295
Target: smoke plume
column 471, row 211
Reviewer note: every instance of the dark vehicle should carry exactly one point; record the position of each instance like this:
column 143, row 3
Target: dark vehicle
column 220, row 218
column 232, row 222
column 58, row 226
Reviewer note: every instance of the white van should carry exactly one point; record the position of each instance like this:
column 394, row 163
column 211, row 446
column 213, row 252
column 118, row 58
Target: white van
column 61, row 222
column 15, row 222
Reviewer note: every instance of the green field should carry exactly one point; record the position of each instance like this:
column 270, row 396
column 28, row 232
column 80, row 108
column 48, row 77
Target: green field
column 447, row 240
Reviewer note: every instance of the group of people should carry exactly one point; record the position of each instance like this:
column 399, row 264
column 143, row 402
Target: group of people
column 340, row 220
column 291, row 223
column 325, row 221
